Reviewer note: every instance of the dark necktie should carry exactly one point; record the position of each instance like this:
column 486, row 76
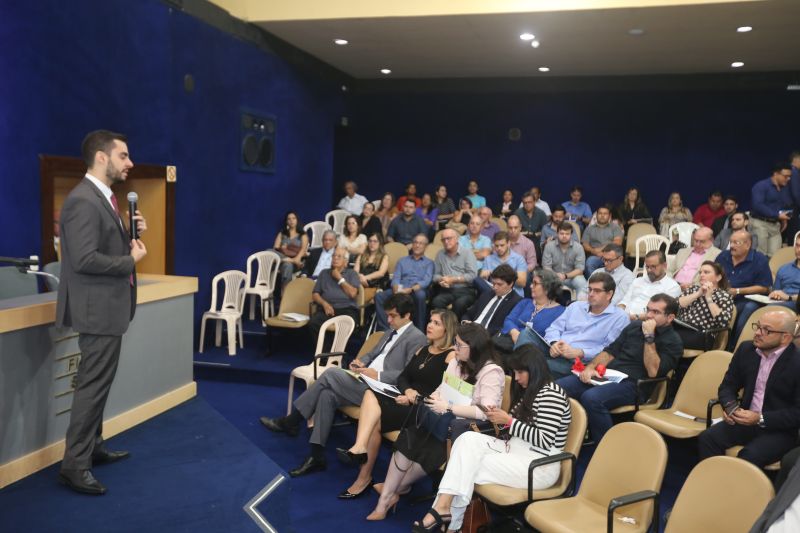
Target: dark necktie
column 116, row 210
column 488, row 316
column 388, row 340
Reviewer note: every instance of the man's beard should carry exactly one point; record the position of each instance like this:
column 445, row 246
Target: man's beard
column 114, row 175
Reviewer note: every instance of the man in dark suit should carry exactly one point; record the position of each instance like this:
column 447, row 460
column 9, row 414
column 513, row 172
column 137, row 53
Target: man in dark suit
column 782, row 511
column 492, row 307
column 97, row 298
column 768, row 417
column 320, row 258
column 337, row 388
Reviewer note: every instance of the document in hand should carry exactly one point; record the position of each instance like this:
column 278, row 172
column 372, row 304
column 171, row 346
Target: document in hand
column 762, row 299
column 456, row 390
column 611, row 376
column 294, row 317
column 380, row 387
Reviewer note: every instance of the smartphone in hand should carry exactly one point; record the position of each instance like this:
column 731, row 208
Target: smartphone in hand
column 730, row 407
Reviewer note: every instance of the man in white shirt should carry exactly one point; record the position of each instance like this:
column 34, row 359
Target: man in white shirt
column 352, row 202
column 635, row 301
column 688, row 260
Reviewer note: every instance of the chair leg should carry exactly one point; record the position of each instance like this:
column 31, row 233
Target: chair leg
column 241, row 332
column 253, row 298
column 291, row 393
column 202, row 332
column 231, row 336
column 218, row 335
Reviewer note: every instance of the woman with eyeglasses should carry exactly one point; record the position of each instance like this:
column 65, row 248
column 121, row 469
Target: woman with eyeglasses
column 418, row 451
column 704, row 306
column 372, row 267
column 381, row 414
column 530, row 318
column 536, row 427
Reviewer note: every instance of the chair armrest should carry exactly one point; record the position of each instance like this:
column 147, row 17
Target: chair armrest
column 628, row 499
column 550, row 459
column 645, row 381
column 322, row 356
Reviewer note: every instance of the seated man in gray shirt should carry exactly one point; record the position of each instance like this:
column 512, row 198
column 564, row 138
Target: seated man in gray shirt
column 453, row 272
column 565, row 257
column 334, row 293
column 596, row 236
column 613, row 265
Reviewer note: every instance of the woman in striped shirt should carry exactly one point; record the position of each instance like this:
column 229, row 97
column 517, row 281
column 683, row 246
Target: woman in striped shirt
column 537, row 427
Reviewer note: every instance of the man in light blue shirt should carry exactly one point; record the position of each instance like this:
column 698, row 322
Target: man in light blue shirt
column 577, row 210
column 502, row 255
column 412, row 275
column 787, row 280
column 480, row 245
column 585, row 328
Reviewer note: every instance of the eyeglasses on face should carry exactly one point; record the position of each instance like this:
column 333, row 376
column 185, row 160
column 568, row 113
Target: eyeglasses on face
column 458, row 346
column 595, row 290
column 765, row 330
column 608, row 260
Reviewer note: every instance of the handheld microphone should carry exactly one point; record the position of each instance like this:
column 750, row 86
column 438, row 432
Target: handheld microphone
column 133, row 200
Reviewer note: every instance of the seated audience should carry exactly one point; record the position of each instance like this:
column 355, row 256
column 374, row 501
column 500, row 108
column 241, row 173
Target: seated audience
column 335, row 293
column 336, row 388
column 706, row 214
column 420, row 449
column 369, row 221
column 352, row 202
column 644, row 349
column 291, row 244
column 453, row 273
column 489, row 228
column 351, row 238
column 597, row 235
column 382, row 414
column 502, row 255
column 566, row 258
column 767, row 416
column 372, row 267
column 506, row 207
column 672, row 214
column 428, row 212
column 480, row 245
column 530, row 318
column 550, row 230
column 461, row 216
column 477, row 200
column 738, row 221
column 445, row 206
column 585, row 328
column 541, row 204
column 578, row 210
column 730, row 206
column 412, row 276
column 320, row 258
column 537, row 424
column 787, row 280
column 520, row 243
column 771, row 208
column 411, row 194
column 704, row 306
column 688, row 260
column 387, row 211
column 614, row 266
column 404, row 226
column 633, row 209
column 656, row 281
column 748, row 273
column 531, row 217
column 492, row 307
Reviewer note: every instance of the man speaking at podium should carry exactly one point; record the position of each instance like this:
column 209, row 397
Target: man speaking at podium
column 97, row 298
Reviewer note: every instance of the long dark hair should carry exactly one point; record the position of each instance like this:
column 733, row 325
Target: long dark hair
column 723, row 280
column 481, row 350
column 285, row 228
column 530, row 359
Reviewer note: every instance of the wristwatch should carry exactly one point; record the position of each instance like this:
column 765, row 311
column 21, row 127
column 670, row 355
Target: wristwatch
column 760, row 420
column 341, row 281
column 450, row 407
column 649, row 339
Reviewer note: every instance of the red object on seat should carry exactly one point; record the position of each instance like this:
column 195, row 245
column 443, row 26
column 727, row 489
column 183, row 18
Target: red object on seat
column 578, row 365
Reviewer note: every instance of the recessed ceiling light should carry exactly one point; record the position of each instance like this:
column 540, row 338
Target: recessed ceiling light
column 340, row 42
column 636, row 31
column 794, row 87
column 535, row 44
column 744, row 29
column 737, row 64
column 544, row 69
column 527, row 36
column 386, row 71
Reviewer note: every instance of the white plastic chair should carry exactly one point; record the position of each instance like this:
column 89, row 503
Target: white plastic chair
column 230, row 311
column 343, row 327
column 645, row 244
column 262, row 285
column 317, row 228
column 685, row 230
column 336, row 218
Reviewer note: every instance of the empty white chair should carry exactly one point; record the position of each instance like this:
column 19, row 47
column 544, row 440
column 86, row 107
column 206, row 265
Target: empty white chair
column 684, row 230
column 336, row 218
column 644, row 245
column 262, row 285
column 317, row 229
column 230, row 311
column 343, row 327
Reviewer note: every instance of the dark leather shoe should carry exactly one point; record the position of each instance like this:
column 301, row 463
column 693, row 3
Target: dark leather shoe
column 347, row 495
column 349, row 458
column 102, row 457
column 279, row 425
column 81, row 481
column 309, row 466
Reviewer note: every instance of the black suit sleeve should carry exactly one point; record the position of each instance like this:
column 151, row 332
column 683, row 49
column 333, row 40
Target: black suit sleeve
column 734, row 378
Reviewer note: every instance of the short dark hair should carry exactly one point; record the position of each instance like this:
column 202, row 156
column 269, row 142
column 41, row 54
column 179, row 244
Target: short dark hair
column 731, row 198
column 481, row 350
column 565, row 226
column 601, row 277
column 504, row 272
column 611, row 247
column 781, row 165
column 661, row 257
column 99, row 141
column 402, row 303
column 500, row 236
column 576, row 188
column 558, row 208
column 465, row 199
column 410, row 200
column 719, row 271
column 528, row 194
column 795, row 153
column 715, row 192
column 671, row 307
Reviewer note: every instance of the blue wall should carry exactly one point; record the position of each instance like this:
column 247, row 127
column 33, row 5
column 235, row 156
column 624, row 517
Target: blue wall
column 604, row 141
column 79, row 66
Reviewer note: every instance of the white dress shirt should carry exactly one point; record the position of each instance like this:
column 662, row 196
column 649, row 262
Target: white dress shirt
column 377, row 363
column 642, row 289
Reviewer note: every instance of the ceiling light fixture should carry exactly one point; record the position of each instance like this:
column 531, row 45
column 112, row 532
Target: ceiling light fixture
column 744, row 29
column 535, row 44
column 527, row 36
column 340, row 42
column 386, row 71
column 737, row 64
column 793, row 87
column 636, row 32
column 544, row 69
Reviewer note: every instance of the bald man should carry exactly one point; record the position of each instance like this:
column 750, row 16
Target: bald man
column 688, row 260
column 767, row 417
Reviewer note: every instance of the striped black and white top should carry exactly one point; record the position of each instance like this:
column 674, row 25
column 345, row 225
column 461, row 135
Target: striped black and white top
column 547, row 429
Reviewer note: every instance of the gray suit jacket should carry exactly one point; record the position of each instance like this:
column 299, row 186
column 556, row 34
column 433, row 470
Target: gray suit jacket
column 95, row 295
column 399, row 355
column 684, row 253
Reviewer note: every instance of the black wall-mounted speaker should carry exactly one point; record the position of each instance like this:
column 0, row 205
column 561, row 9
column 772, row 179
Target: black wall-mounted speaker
column 257, row 136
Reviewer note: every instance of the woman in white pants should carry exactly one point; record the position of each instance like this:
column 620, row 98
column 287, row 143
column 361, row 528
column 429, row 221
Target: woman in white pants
column 537, row 427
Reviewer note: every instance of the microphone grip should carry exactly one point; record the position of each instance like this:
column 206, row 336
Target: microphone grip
column 132, row 207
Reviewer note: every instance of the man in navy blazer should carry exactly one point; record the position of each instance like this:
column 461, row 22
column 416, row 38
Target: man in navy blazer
column 767, row 418
column 492, row 307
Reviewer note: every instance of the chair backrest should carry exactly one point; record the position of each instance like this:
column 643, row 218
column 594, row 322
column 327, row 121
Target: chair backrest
column 296, row 296
column 267, row 271
column 780, row 258
column 576, row 229
column 377, row 203
column 505, row 403
column 500, row 223
column 684, row 230
column 343, row 326
column 721, row 495
column 646, row 244
column 575, row 436
column 629, row 458
column 53, row 268
column 234, row 282
column 395, row 251
column 336, row 218
column 701, row 383
column 432, row 250
column 370, row 342
column 747, row 331
column 634, row 232
column 437, row 238
column 317, row 228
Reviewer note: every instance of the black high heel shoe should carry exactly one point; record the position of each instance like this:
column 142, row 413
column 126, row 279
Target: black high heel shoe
column 349, row 458
column 440, row 520
column 347, row 495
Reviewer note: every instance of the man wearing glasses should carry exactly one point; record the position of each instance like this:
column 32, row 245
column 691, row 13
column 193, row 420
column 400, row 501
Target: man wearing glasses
column 614, row 266
column 453, row 272
column 688, row 260
column 412, row 275
column 656, row 281
column 646, row 348
column 766, row 419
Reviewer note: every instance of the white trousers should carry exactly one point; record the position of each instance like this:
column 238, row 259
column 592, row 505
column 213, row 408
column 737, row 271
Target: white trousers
column 478, row 458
